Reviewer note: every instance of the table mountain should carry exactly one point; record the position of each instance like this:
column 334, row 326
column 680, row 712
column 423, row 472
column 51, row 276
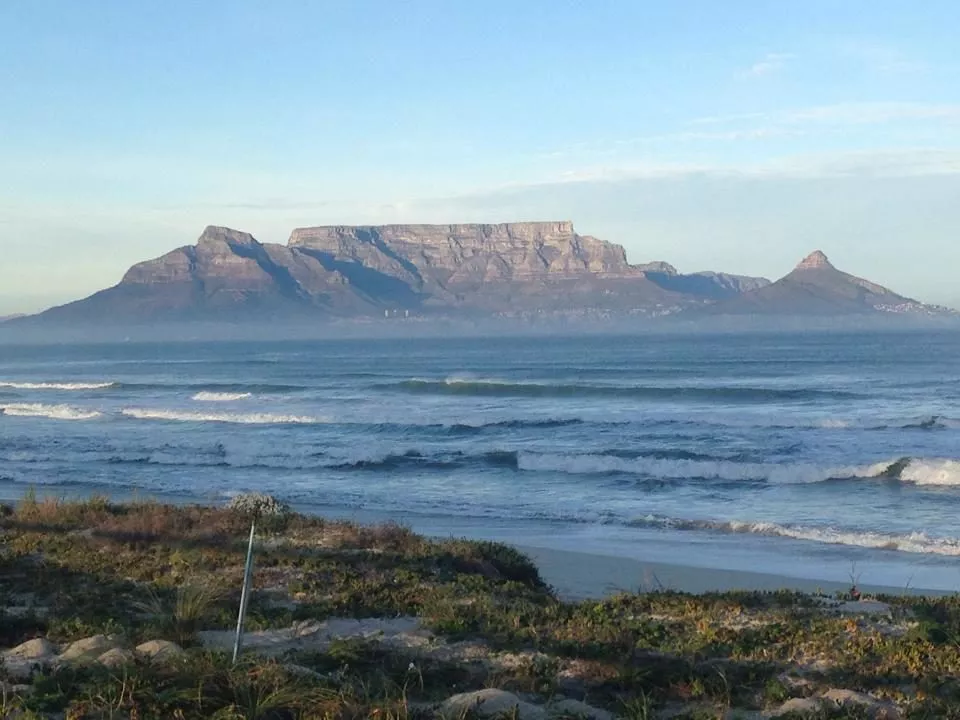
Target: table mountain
column 338, row 271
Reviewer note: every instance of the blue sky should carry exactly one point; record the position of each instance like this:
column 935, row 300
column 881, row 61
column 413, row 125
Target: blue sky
column 735, row 136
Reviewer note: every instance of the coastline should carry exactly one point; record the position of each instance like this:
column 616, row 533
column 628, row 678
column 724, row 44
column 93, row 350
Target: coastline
column 577, row 576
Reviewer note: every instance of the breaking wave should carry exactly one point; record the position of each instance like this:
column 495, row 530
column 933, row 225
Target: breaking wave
column 54, row 412
column 236, row 418
column 496, row 388
column 208, row 396
column 916, row 542
column 56, row 385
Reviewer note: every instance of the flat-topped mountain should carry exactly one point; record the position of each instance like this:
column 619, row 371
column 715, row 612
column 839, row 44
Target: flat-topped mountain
column 528, row 269
column 816, row 287
column 338, row 271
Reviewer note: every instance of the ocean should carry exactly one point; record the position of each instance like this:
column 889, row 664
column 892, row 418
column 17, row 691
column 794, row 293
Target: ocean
column 819, row 456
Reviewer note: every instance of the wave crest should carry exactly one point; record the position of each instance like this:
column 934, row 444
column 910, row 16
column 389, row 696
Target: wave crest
column 56, row 385
column 916, row 542
column 208, row 396
column 53, row 412
column 237, row 418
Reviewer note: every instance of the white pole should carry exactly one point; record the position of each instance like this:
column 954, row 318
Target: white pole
column 244, row 594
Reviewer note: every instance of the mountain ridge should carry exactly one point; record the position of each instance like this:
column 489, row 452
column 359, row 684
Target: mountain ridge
column 519, row 270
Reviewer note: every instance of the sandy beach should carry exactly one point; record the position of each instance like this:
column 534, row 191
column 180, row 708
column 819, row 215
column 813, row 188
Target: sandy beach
column 582, row 576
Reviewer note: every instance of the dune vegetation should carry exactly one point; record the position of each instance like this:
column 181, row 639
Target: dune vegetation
column 127, row 611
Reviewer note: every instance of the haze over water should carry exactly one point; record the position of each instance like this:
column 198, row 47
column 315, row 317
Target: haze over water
column 792, row 454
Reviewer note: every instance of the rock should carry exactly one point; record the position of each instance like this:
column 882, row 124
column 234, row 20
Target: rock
column 33, row 649
column 116, row 657
column 88, row 649
column 864, row 607
column 577, row 709
column 802, row 707
column 490, row 704
column 160, row 650
column 815, row 260
column 876, row 709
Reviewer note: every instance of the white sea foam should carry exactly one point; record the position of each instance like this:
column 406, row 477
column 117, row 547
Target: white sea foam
column 931, row 472
column 56, row 385
column 241, row 418
column 915, row 542
column 206, row 396
column 55, row 412
column 832, row 424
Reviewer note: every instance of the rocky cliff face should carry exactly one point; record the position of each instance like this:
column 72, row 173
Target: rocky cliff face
column 468, row 255
column 511, row 268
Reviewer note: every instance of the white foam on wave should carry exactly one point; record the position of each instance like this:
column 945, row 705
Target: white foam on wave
column 207, row 396
column 931, row 472
column 240, row 418
column 832, row 424
column 54, row 412
column 56, row 385
column 915, row 542
column 680, row 469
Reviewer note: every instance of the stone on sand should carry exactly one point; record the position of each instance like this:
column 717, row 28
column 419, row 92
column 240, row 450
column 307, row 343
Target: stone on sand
column 490, row 704
column 89, row 649
column 160, row 650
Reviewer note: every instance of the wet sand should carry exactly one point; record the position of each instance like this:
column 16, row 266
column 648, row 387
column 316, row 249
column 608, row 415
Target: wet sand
column 582, row 576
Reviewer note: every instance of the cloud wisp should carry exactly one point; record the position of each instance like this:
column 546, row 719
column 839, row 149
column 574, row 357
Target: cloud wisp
column 769, row 64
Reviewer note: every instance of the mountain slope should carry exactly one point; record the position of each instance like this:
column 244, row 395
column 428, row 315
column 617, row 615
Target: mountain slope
column 339, row 271
column 816, row 287
column 227, row 273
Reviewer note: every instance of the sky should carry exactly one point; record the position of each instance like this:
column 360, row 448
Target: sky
column 735, row 136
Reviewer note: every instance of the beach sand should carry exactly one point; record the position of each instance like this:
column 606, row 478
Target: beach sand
column 582, row 576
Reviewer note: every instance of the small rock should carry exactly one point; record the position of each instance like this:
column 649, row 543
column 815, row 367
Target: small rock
column 22, row 669
column 851, row 699
column 116, row 657
column 489, row 704
column 33, row 649
column 577, row 709
column 804, row 707
column 864, row 607
column 89, row 649
column 160, row 650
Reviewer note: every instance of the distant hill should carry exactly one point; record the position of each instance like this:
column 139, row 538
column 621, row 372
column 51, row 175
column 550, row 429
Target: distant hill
column 816, row 288
column 511, row 269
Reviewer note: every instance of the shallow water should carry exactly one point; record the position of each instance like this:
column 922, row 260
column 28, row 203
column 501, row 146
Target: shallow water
column 792, row 454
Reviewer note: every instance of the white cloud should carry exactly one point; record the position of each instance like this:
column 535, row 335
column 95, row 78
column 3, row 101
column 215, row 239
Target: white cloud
column 770, row 64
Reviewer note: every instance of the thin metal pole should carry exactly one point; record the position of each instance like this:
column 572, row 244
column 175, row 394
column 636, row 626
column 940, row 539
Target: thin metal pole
column 245, row 594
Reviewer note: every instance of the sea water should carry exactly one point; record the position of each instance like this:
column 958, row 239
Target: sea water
column 820, row 456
